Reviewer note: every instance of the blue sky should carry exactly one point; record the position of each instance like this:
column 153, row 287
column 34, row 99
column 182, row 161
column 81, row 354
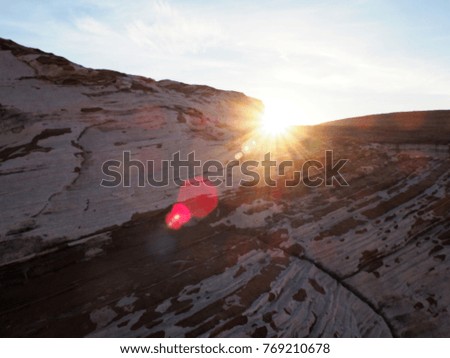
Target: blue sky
column 318, row 60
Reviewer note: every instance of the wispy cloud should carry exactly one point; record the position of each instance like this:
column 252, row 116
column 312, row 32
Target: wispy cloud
column 168, row 31
column 88, row 25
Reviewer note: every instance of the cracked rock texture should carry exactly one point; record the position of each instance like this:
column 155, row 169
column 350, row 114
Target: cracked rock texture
column 60, row 122
column 370, row 259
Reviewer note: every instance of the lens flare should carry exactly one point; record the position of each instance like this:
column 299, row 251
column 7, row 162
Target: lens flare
column 178, row 216
column 197, row 198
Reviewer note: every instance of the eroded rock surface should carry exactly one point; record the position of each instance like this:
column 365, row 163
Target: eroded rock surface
column 60, row 122
column 365, row 260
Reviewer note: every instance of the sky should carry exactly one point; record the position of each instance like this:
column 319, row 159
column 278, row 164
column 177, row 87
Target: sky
column 313, row 60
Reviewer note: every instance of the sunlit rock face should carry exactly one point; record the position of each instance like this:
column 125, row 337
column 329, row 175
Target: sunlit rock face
column 61, row 121
column 369, row 259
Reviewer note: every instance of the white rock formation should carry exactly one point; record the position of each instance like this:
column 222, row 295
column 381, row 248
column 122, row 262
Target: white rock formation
column 60, row 122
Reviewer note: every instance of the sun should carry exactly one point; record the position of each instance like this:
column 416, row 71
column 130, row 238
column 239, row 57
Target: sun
column 276, row 131
column 277, row 118
column 271, row 127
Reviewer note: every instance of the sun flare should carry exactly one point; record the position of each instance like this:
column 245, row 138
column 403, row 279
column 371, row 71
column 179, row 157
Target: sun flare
column 276, row 119
column 271, row 127
column 276, row 131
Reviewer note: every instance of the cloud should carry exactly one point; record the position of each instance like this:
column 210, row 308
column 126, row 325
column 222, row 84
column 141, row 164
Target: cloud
column 167, row 30
column 89, row 25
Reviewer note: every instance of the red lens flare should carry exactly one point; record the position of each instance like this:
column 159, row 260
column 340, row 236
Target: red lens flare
column 197, row 198
column 178, row 216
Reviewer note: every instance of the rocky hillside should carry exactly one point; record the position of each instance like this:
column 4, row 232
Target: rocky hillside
column 369, row 259
column 60, row 122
